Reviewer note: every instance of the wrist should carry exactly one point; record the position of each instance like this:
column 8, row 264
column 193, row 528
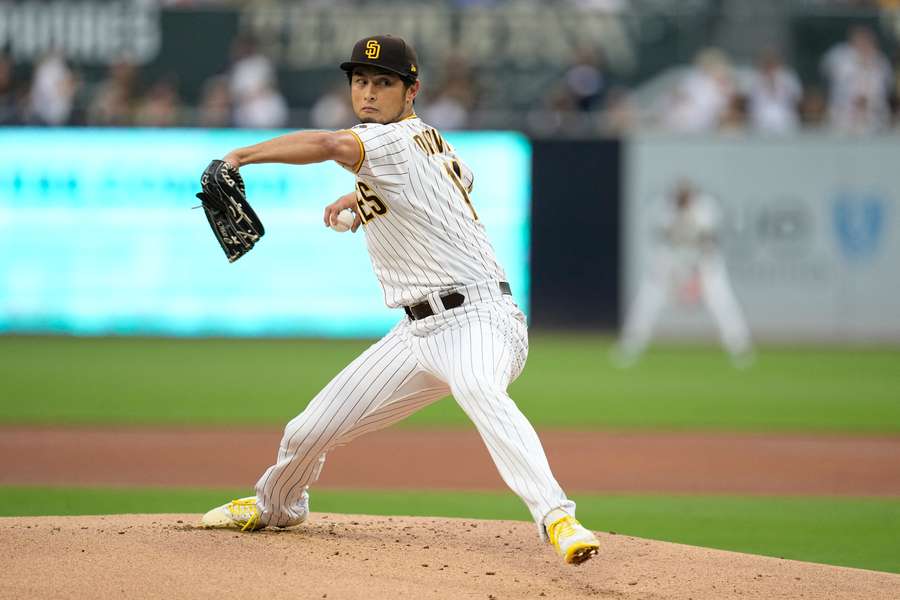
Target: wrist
column 233, row 159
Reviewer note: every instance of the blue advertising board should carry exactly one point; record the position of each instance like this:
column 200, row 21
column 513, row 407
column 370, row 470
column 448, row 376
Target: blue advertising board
column 98, row 236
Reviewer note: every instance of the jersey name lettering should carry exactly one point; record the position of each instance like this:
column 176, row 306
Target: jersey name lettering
column 431, row 142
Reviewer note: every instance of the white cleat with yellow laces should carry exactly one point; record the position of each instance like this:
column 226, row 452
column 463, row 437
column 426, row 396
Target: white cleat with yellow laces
column 238, row 514
column 571, row 539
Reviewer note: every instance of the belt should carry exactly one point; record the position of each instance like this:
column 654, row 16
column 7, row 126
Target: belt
column 451, row 300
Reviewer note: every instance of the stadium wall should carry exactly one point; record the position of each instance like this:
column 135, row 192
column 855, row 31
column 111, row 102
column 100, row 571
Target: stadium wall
column 810, row 230
column 575, row 234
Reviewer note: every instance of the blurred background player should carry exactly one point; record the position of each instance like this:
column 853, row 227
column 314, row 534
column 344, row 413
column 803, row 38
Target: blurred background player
column 686, row 266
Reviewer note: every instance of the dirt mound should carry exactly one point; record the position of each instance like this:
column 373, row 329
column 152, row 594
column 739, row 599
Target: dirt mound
column 350, row 557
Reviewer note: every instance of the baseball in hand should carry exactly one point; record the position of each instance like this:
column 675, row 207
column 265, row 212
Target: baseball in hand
column 344, row 220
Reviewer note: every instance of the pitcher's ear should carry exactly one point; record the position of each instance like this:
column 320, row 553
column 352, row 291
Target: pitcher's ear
column 413, row 90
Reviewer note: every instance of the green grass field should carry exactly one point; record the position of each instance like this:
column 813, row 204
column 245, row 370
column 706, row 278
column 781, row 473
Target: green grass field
column 852, row 532
column 568, row 382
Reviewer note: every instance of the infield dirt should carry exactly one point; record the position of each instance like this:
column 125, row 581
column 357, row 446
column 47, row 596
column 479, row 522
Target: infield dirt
column 588, row 461
column 341, row 557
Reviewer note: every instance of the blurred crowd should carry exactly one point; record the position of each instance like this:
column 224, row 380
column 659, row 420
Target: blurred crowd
column 859, row 96
column 247, row 95
column 858, row 92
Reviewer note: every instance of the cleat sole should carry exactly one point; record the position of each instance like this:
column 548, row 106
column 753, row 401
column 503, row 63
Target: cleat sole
column 580, row 553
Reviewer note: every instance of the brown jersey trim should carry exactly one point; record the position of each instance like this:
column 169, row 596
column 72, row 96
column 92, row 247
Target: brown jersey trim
column 362, row 150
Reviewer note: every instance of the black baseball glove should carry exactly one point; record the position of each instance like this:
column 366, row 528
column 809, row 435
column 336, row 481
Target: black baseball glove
column 231, row 217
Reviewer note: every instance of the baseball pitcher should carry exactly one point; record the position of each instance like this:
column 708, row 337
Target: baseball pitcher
column 460, row 332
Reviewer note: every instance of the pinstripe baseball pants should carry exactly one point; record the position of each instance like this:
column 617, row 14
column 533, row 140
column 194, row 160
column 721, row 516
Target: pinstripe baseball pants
column 472, row 352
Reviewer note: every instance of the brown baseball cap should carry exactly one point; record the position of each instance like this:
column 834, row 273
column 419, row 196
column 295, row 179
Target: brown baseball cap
column 385, row 52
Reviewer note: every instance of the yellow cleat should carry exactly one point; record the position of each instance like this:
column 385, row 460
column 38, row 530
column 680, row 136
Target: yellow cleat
column 572, row 540
column 240, row 514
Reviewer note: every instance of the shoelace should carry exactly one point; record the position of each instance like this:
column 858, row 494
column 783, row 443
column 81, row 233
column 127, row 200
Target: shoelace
column 251, row 523
column 562, row 527
column 245, row 508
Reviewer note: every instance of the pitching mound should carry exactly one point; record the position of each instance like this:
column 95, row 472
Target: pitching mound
column 350, row 557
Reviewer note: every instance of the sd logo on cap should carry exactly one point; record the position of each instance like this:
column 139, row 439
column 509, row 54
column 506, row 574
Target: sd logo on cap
column 373, row 49
column 385, row 52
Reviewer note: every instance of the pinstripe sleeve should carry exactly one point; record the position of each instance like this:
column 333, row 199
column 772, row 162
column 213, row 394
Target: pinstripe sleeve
column 385, row 152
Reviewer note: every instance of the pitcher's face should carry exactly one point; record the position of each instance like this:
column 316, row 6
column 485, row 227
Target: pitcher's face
column 380, row 97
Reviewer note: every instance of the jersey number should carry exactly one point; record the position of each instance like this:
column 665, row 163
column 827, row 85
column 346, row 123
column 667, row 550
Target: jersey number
column 370, row 205
column 454, row 172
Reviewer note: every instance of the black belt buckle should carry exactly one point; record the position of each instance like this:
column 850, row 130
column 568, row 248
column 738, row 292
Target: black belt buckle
column 423, row 310
column 452, row 300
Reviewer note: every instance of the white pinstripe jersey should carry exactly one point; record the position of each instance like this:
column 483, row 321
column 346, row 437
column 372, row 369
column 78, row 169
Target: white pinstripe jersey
column 413, row 195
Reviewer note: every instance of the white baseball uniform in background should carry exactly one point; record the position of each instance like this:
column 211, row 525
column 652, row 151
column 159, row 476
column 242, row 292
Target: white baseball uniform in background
column 425, row 241
column 686, row 259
